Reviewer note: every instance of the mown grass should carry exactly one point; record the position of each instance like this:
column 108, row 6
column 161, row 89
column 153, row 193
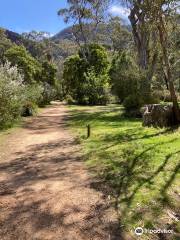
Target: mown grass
column 141, row 165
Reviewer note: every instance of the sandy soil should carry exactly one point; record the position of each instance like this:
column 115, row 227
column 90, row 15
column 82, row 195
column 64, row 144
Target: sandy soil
column 45, row 190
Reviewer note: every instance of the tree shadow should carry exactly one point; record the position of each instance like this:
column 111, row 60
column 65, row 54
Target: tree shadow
column 56, row 161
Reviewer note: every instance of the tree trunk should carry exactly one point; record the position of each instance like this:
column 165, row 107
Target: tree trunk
column 141, row 38
column 163, row 42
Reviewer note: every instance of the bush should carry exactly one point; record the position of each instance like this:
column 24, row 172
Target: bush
column 132, row 105
column 11, row 94
column 32, row 98
column 48, row 94
column 133, row 102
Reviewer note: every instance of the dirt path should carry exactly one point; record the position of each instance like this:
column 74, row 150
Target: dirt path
column 45, row 190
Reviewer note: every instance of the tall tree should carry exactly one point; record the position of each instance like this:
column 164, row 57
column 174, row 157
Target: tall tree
column 160, row 12
column 85, row 15
column 148, row 17
column 145, row 40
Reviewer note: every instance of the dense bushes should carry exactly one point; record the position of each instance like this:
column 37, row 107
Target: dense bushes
column 32, row 98
column 17, row 97
column 25, row 83
column 129, row 84
column 11, row 94
column 133, row 102
column 86, row 76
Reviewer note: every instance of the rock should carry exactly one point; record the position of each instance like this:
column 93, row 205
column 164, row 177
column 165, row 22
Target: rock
column 157, row 115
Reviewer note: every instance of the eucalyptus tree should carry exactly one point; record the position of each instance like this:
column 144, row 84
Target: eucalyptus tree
column 150, row 20
column 85, row 16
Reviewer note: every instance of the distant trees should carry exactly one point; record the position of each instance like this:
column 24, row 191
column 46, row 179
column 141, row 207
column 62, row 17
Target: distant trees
column 5, row 44
column 86, row 79
column 48, row 73
column 119, row 36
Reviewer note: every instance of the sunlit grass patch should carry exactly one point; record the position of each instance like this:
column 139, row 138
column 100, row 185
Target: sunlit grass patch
column 140, row 164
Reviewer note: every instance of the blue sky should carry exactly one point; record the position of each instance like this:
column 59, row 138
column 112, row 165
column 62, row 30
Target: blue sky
column 41, row 15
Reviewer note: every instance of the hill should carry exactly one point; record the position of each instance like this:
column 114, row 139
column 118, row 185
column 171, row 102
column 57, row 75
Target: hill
column 66, row 33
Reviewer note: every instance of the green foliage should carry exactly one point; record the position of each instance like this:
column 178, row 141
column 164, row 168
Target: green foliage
column 124, row 75
column 4, row 43
column 72, row 76
column 133, row 102
column 11, row 95
column 85, row 75
column 96, row 88
column 48, row 73
column 119, row 36
column 35, row 74
column 16, row 98
column 27, row 65
column 94, row 56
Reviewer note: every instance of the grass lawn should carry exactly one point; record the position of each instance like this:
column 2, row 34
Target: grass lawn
column 139, row 164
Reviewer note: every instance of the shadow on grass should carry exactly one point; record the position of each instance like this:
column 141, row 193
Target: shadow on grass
column 130, row 173
column 100, row 116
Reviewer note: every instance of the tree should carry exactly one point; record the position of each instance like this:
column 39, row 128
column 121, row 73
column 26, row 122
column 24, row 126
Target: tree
column 27, row 65
column 5, row 44
column 48, row 73
column 149, row 21
column 159, row 13
column 86, row 15
column 163, row 36
column 87, row 81
column 124, row 76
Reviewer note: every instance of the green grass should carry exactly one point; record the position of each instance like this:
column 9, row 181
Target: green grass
column 139, row 164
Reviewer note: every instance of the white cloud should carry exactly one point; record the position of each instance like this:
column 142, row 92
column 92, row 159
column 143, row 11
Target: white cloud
column 120, row 11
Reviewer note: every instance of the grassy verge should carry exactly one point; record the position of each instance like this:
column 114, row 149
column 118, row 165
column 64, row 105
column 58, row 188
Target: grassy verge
column 139, row 164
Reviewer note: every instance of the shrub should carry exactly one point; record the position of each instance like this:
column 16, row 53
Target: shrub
column 132, row 105
column 133, row 102
column 32, row 97
column 11, row 94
